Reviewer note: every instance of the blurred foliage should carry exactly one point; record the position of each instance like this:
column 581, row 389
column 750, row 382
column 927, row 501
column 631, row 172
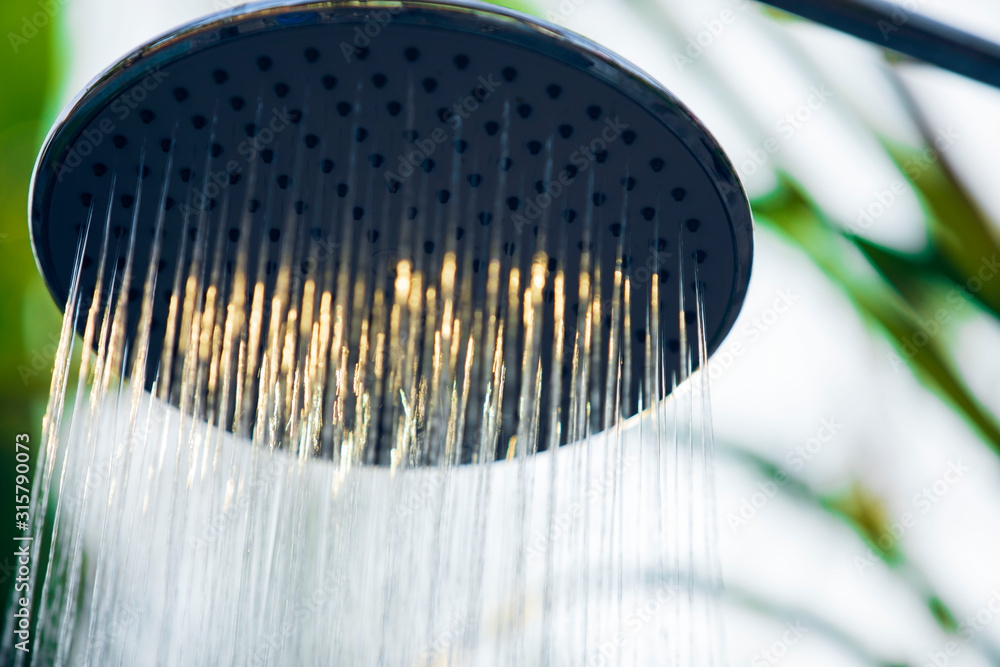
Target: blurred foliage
column 879, row 301
column 959, row 230
column 902, row 297
column 910, row 300
column 30, row 321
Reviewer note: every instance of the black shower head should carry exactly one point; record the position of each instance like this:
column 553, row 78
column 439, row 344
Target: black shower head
column 283, row 151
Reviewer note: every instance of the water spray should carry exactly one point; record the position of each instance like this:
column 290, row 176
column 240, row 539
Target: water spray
column 348, row 275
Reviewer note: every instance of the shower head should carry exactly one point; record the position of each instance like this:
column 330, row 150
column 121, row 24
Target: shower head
column 306, row 182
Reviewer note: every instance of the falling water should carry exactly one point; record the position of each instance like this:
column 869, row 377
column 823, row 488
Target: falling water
column 436, row 452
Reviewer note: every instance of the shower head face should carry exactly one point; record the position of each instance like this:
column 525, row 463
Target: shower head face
column 354, row 151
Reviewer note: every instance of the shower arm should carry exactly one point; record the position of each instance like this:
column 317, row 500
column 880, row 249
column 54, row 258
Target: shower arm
column 905, row 31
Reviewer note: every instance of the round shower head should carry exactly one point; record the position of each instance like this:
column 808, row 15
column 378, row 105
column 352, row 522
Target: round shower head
column 379, row 154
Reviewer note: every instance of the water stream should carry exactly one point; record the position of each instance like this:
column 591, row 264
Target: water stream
column 422, row 455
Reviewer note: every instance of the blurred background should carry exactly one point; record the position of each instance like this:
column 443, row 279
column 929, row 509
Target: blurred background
column 856, row 401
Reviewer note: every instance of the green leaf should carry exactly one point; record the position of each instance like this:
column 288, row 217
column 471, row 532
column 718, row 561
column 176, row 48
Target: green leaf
column 880, row 303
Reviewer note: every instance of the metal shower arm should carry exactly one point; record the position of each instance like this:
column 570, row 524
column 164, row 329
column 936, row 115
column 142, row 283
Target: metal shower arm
column 906, row 31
